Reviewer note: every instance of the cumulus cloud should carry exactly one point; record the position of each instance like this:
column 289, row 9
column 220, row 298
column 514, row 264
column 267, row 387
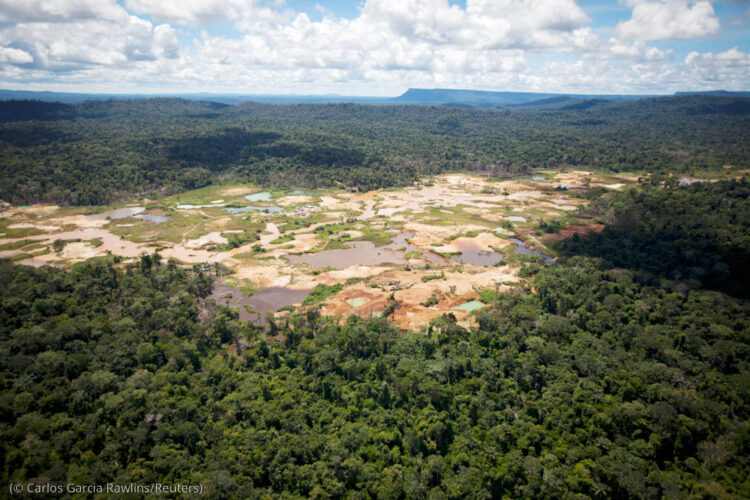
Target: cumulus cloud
column 543, row 45
column 669, row 20
column 15, row 56
column 59, row 10
column 192, row 12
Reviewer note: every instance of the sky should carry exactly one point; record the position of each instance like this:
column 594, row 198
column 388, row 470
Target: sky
column 374, row 47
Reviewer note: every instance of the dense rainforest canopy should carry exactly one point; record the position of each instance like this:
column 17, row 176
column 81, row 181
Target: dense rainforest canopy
column 98, row 151
column 609, row 377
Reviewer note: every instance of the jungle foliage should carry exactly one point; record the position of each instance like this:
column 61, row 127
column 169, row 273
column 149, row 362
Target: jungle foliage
column 698, row 233
column 97, row 152
column 592, row 381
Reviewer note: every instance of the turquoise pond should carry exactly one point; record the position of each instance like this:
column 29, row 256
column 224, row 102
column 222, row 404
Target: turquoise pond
column 470, row 306
column 261, row 196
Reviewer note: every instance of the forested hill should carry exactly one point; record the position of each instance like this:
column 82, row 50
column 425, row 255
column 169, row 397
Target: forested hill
column 98, row 151
column 592, row 381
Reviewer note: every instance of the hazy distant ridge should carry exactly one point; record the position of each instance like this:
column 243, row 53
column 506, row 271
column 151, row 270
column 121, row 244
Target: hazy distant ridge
column 433, row 97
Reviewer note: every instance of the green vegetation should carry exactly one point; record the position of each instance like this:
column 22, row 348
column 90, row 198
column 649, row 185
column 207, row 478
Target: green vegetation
column 58, row 245
column 235, row 240
column 101, row 151
column 598, row 382
column 283, row 238
column 15, row 245
column 488, row 296
column 321, row 292
column 622, row 372
column 695, row 233
column 433, row 300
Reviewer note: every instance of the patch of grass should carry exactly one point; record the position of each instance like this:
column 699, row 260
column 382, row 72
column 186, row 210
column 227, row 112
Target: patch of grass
column 22, row 232
column 453, row 216
column 286, row 223
column 447, row 255
column 207, row 194
column 413, row 254
column 283, row 239
column 334, row 244
column 20, row 256
column 15, row 245
column 377, row 236
column 321, row 293
column 431, row 277
column 235, row 240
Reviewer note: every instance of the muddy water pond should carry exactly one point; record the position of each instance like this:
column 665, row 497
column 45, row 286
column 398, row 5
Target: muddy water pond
column 524, row 250
column 471, row 253
column 359, row 253
column 156, row 219
column 268, row 300
column 118, row 213
column 240, row 210
column 364, row 253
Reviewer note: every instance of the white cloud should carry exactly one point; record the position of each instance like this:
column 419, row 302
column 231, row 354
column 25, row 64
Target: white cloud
column 536, row 45
column 14, row 56
column 189, row 11
column 59, row 10
column 669, row 20
column 74, row 45
column 200, row 12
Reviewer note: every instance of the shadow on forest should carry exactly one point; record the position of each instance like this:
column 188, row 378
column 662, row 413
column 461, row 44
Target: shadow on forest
column 703, row 238
column 237, row 146
column 231, row 146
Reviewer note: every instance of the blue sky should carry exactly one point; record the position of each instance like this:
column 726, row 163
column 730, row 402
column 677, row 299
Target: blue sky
column 374, row 47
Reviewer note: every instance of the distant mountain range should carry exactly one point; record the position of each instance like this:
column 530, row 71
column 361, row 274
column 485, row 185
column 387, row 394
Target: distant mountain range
column 430, row 97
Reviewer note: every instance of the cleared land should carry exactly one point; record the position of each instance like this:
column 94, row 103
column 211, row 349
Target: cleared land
column 413, row 253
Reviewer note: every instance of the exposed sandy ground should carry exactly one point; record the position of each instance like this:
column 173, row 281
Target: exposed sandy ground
column 476, row 196
column 334, row 203
column 110, row 242
column 30, row 210
column 525, row 195
column 40, row 227
column 290, row 201
column 301, row 243
column 207, row 239
column 82, row 221
column 410, row 291
column 574, row 178
column 263, row 274
column 238, row 191
column 426, row 235
column 341, row 275
column 485, row 241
